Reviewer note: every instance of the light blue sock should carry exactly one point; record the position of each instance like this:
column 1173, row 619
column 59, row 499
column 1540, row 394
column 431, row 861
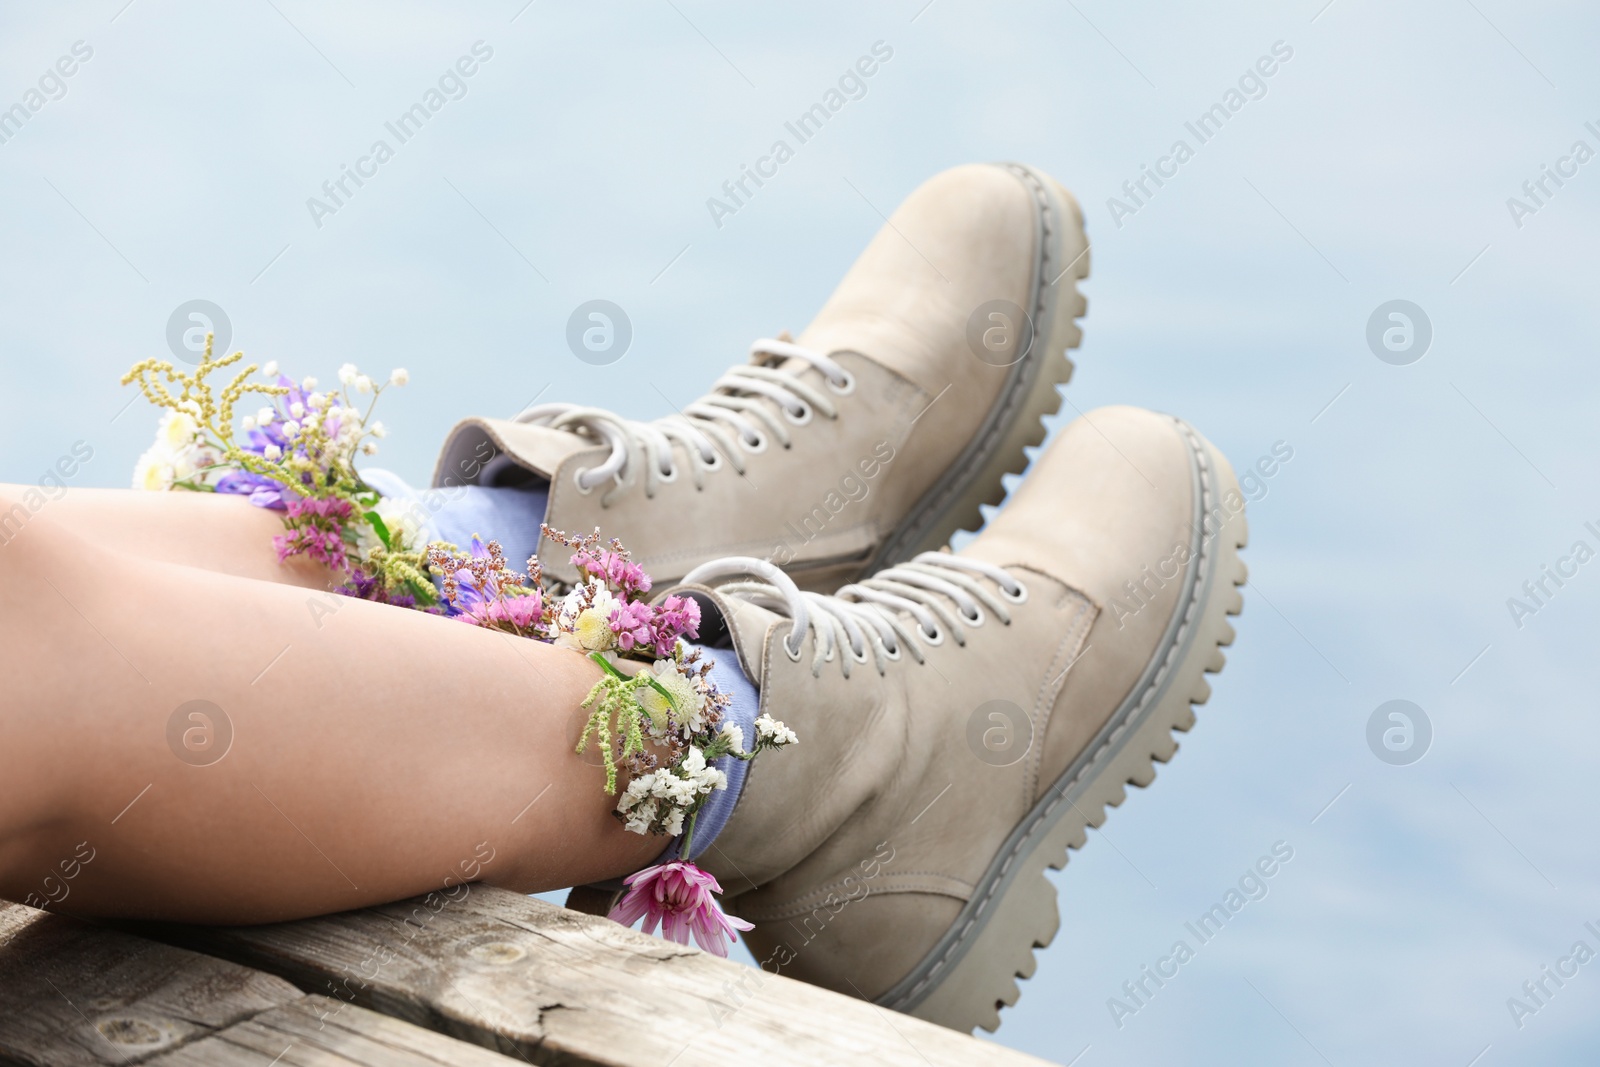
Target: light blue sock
column 727, row 675
column 454, row 514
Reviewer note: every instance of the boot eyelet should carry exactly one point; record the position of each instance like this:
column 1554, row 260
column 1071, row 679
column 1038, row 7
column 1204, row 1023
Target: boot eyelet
column 859, row 657
column 800, row 419
column 933, row 640
column 792, row 653
column 714, row 465
column 756, row 448
column 846, row 387
column 891, row 653
column 977, row 618
column 669, row 475
column 1019, row 597
column 577, row 479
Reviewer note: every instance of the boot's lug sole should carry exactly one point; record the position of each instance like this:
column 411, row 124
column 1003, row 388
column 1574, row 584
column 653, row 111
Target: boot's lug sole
column 970, row 973
column 1015, row 423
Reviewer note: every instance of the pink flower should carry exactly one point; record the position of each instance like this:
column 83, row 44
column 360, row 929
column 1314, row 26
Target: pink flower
column 521, row 613
column 622, row 574
column 316, row 529
column 677, row 896
column 678, row 616
column 631, row 621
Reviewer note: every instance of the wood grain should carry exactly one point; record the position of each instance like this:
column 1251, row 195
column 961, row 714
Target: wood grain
column 557, row 987
column 325, row 1033
column 74, row 994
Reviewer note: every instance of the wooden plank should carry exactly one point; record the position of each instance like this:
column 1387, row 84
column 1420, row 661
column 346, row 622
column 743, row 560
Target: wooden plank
column 328, row 1033
column 557, row 987
column 72, row 993
column 77, row 995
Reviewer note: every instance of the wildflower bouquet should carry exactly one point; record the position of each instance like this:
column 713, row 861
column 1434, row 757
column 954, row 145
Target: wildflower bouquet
column 295, row 455
column 654, row 715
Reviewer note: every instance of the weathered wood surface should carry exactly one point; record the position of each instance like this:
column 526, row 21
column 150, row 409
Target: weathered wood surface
column 313, row 1030
column 76, row 994
column 557, row 987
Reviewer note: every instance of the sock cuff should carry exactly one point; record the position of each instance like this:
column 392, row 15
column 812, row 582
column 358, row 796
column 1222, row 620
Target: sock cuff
column 742, row 710
column 508, row 515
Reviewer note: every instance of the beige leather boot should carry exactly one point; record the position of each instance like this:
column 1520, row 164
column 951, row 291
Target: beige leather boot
column 872, row 437
column 963, row 717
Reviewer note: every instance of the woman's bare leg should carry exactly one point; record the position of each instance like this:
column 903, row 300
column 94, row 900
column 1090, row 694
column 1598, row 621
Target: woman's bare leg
column 375, row 753
column 212, row 531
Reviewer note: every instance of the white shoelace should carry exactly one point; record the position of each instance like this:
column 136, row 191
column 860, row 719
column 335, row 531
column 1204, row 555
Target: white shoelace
column 873, row 614
column 734, row 418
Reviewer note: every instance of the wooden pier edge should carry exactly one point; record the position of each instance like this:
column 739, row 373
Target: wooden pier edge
column 74, row 994
column 419, row 981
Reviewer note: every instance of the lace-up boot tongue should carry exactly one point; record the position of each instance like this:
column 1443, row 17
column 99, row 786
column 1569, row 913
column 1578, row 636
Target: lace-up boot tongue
column 474, row 446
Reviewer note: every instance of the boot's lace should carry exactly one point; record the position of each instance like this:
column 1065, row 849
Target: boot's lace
column 895, row 612
column 734, row 418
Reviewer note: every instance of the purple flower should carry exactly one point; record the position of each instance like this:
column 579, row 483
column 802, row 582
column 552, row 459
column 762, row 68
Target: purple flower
column 263, row 491
column 481, row 591
column 364, row 586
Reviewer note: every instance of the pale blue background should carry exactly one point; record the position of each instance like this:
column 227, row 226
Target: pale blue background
column 1380, row 161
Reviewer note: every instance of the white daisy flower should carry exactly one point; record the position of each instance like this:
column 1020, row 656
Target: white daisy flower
column 686, row 706
column 154, row 470
column 586, row 628
column 177, row 430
